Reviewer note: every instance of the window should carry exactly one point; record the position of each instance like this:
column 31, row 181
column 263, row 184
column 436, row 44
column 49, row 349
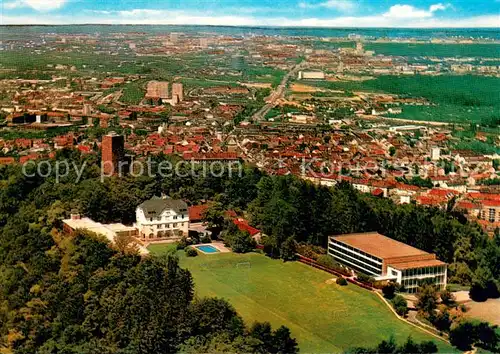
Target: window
column 394, row 273
column 491, row 217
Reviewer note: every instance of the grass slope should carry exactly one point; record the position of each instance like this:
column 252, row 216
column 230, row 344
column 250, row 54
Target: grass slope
column 323, row 317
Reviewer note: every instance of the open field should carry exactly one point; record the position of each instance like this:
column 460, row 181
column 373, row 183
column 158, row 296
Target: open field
column 484, row 311
column 163, row 248
column 296, row 87
column 460, row 99
column 436, row 49
column 323, row 316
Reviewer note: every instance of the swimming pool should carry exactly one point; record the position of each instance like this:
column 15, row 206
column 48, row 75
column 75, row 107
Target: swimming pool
column 207, row 249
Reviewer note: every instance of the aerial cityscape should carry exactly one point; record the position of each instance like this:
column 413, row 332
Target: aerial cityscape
column 322, row 178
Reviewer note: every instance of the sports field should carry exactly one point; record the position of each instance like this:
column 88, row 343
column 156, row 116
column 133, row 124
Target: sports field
column 323, row 316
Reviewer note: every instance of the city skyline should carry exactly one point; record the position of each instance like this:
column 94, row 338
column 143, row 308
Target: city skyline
column 300, row 13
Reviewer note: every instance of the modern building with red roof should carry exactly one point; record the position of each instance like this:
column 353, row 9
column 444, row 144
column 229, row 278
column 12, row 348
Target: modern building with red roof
column 386, row 259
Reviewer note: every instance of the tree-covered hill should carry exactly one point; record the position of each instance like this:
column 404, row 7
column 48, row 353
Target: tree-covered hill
column 77, row 294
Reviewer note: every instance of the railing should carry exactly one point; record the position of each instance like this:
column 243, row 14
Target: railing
column 311, row 262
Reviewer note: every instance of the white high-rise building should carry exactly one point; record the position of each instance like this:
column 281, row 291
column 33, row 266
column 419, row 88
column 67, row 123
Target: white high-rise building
column 435, row 153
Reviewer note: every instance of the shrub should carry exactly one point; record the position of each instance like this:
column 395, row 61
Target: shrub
column 191, row 252
column 482, row 291
column 240, row 242
column 288, row 249
column 447, row 297
column 364, row 278
column 206, row 239
column 389, row 290
column 341, row 281
column 400, row 305
column 326, row 261
column 427, row 298
column 310, row 251
column 400, row 288
column 183, row 243
column 441, row 320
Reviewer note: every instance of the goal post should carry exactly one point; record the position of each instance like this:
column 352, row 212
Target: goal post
column 244, row 265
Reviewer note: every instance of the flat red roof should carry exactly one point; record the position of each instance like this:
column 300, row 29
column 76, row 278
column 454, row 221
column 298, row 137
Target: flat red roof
column 379, row 245
column 417, row 264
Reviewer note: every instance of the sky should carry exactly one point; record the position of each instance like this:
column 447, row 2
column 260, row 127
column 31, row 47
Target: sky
column 308, row 13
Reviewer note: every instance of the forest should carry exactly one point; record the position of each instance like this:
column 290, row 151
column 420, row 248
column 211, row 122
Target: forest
column 78, row 294
column 75, row 294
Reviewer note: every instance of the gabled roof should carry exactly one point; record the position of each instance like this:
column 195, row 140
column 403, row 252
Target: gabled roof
column 155, row 206
column 196, row 212
column 243, row 225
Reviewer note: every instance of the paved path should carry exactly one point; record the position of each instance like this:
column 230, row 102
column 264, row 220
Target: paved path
column 278, row 93
column 410, row 323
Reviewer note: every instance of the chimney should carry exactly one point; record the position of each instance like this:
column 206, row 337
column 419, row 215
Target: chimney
column 75, row 216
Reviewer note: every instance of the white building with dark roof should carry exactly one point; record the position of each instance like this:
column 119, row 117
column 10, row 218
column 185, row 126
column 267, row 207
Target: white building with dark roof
column 162, row 219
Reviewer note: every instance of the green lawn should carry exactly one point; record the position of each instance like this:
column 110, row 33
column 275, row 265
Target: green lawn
column 163, row 248
column 323, row 317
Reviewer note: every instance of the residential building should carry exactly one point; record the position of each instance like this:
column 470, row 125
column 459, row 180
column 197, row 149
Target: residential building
column 435, row 153
column 87, row 109
column 311, row 75
column 386, row 259
column 490, row 210
column 196, row 223
column 162, row 218
column 177, row 91
column 157, row 89
column 243, row 225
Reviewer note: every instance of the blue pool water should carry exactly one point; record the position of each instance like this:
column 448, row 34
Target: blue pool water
column 207, row 249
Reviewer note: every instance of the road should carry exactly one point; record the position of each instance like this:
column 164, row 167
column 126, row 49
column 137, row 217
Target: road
column 278, row 93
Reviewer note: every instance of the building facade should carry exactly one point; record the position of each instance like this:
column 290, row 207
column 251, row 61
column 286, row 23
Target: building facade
column 113, row 154
column 177, row 91
column 157, row 89
column 490, row 210
column 110, row 231
column 386, row 259
column 311, row 75
column 162, row 219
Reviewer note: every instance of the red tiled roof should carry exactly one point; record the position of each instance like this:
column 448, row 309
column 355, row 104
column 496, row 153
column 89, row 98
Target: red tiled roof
column 463, row 204
column 491, row 203
column 23, row 159
column 481, row 196
column 407, row 187
column 196, row 212
column 244, row 226
column 7, row 160
column 212, row 156
column 84, row 148
column 430, row 200
column 442, row 192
